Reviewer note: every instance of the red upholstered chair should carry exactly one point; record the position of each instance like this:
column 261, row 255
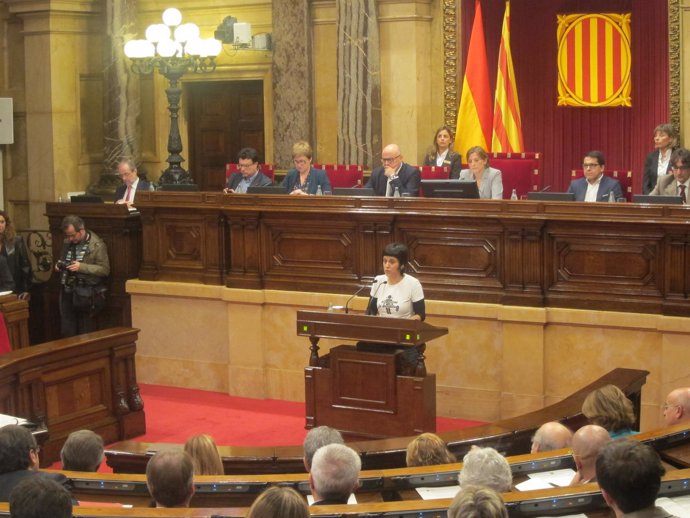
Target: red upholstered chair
column 267, row 169
column 624, row 177
column 520, row 171
column 343, row 176
column 434, row 172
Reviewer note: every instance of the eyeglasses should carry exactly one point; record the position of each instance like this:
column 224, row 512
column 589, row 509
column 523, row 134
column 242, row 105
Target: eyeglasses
column 245, row 166
column 590, row 165
column 387, row 160
column 300, row 161
column 680, row 167
column 667, row 406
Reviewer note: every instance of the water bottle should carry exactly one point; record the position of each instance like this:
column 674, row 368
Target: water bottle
column 612, row 197
column 514, row 196
column 319, row 192
column 396, row 193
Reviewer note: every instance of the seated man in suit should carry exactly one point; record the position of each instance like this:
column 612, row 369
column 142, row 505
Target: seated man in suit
column 677, row 406
column 248, row 175
column 317, row 438
column 334, row 474
column 40, row 497
column 677, row 183
column 131, row 182
column 170, row 478
column 595, row 186
column 82, row 451
column 19, row 460
column 394, row 174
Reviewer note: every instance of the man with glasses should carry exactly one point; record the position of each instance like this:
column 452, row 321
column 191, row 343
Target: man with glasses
column 19, row 460
column 394, row 175
column 677, row 183
column 248, row 175
column 677, row 406
column 595, row 186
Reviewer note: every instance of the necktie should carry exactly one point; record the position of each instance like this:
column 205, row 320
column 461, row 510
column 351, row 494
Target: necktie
column 682, row 193
column 129, row 193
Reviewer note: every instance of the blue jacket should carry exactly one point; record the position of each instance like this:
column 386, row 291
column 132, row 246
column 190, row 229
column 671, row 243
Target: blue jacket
column 608, row 184
column 316, row 177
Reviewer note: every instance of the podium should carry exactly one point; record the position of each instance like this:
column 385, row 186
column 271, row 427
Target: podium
column 369, row 390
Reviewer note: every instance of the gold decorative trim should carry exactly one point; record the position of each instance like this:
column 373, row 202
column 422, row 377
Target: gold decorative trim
column 674, row 77
column 451, row 40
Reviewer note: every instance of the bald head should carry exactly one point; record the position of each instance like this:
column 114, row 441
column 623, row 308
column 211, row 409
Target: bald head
column 587, row 443
column 391, row 150
column 677, row 406
column 551, row 436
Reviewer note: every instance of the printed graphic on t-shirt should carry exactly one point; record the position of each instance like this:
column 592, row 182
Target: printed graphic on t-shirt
column 389, row 305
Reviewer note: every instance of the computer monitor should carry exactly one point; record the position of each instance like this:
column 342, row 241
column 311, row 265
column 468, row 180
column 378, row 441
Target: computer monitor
column 269, row 189
column 179, row 187
column 347, row 191
column 666, row 200
column 85, row 198
column 551, row 196
column 450, row 189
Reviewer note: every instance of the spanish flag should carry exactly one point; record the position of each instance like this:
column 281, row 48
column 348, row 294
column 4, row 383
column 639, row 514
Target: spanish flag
column 507, row 136
column 474, row 113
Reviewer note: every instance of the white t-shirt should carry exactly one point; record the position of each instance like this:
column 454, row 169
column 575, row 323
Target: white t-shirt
column 395, row 300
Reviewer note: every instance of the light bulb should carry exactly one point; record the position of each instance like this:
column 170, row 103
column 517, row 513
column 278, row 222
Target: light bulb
column 172, row 17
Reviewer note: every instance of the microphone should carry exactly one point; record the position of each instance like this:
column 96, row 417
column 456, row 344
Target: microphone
column 378, row 288
column 347, row 309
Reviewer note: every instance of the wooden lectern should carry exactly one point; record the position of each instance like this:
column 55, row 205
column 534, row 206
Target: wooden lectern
column 361, row 390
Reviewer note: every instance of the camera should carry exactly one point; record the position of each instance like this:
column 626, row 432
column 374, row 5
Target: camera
column 61, row 265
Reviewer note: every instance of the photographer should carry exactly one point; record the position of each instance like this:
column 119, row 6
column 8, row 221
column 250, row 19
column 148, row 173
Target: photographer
column 83, row 267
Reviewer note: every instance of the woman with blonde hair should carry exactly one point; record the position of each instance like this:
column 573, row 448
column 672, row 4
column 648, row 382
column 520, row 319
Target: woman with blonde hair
column 477, row 502
column 279, row 501
column 442, row 152
column 428, row 449
column 304, row 179
column 609, row 408
column 204, row 452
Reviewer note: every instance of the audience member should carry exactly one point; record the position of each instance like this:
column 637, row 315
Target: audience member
column 316, row 438
column 477, row 502
column 284, row 502
column 489, row 180
column 486, row 467
column 428, row 449
column 442, row 152
column 334, row 474
column 131, row 183
column 248, row 174
column 677, row 406
column 587, row 443
column 13, row 249
column 205, row 456
column 629, row 475
column 658, row 162
column 170, row 478
column 677, row 183
column 551, row 436
column 608, row 407
column 82, row 451
column 19, row 460
column 394, row 175
column 40, row 497
column 304, row 179
column 595, row 185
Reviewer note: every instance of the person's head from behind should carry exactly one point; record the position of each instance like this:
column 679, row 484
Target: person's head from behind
column 316, row 438
column 608, row 407
column 279, row 501
column 334, row 472
column 395, row 259
column 551, row 436
column 629, row 475
column 204, row 453
column 18, row 449
column 248, row 161
column 588, row 441
column 40, row 497
column 170, row 478
column 428, row 449
column 82, row 451
column 677, row 406
column 486, row 467
column 477, row 502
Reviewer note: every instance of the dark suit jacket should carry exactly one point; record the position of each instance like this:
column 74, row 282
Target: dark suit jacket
column 608, row 184
column 452, row 160
column 316, row 177
column 8, row 481
column 407, row 181
column 650, row 171
column 260, row 180
column 143, row 185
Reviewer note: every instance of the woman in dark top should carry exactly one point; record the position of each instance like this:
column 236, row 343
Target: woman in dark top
column 658, row 162
column 442, row 153
column 304, row 179
column 14, row 252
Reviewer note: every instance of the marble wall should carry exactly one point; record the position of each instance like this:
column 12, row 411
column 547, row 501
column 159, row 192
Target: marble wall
column 495, row 362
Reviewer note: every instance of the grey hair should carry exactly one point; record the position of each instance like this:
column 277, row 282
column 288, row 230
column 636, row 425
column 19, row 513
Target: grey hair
column 487, row 468
column 318, row 437
column 335, row 471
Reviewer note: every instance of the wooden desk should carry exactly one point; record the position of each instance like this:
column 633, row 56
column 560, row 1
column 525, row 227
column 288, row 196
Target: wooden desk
column 635, row 258
column 16, row 313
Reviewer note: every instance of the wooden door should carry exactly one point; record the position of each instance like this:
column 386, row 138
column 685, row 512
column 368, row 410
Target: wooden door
column 224, row 117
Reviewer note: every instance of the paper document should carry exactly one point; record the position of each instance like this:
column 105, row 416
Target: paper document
column 556, row 477
column 434, row 493
column 351, row 500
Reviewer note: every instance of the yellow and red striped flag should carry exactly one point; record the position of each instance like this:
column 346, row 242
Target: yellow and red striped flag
column 507, row 134
column 474, row 113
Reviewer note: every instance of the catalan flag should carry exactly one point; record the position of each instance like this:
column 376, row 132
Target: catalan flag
column 474, row 113
column 507, row 135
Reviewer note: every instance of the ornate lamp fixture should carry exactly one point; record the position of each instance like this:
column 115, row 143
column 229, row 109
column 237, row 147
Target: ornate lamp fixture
column 173, row 48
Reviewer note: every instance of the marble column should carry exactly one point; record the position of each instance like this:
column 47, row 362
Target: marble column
column 292, row 78
column 121, row 94
column 359, row 83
